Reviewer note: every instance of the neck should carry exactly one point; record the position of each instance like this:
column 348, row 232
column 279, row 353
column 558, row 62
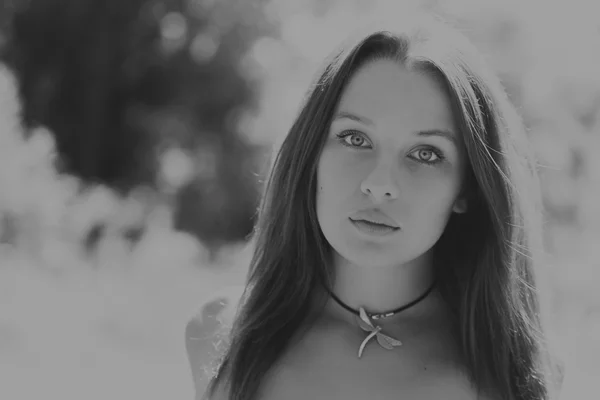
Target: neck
column 381, row 289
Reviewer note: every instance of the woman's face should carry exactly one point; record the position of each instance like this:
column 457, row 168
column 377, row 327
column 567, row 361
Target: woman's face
column 391, row 170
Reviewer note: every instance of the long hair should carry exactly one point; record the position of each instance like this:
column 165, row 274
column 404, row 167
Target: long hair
column 484, row 261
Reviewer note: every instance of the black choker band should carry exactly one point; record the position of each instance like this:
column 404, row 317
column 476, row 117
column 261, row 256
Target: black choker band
column 376, row 316
column 365, row 322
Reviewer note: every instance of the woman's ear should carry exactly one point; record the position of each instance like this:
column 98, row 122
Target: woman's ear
column 460, row 205
column 466, row 193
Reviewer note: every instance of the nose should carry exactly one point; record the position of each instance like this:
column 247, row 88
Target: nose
column 380, row 185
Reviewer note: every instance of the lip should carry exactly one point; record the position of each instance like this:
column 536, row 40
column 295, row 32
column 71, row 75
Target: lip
column 375, row 216
column 373, row 229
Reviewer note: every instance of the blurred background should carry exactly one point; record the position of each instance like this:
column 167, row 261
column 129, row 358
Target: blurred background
column 134, row 140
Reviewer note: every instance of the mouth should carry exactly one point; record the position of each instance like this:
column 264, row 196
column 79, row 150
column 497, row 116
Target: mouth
column 373, row 227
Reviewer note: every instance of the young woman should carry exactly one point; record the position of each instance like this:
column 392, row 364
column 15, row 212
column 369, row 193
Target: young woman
column 397, row 239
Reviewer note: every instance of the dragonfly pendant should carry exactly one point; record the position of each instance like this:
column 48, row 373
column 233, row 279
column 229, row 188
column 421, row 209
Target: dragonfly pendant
column 366, row 325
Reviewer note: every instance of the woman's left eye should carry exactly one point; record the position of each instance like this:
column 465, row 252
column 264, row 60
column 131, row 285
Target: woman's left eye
column 427, row 156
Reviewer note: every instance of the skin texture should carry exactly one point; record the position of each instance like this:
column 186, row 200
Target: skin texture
column 414, row 180
column 383, row 162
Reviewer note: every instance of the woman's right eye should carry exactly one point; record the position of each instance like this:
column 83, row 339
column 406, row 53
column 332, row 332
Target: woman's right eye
column 353, row 139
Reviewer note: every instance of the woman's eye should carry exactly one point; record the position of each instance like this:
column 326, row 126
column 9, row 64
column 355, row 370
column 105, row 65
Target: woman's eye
column 427, row 156
column 353, row 139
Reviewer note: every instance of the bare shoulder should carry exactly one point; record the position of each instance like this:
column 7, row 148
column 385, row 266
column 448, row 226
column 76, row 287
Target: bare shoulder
column 220, row 308
column 206, row 333
column 454, row 384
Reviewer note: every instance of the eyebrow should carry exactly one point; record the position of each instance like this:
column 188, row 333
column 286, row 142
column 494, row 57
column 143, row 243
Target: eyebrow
column 443, row 133
column 353, row 117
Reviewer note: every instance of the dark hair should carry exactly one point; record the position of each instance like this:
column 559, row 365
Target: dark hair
column 487, row 255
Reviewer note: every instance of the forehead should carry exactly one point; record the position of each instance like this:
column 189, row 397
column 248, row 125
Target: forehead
column 386, row 92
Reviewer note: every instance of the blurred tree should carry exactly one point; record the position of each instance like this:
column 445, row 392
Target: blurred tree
column 4, row 19
column 118, row 82
column 81, row 66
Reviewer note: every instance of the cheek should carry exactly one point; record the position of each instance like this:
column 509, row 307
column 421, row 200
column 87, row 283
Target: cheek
column 328, row 192
column 323, row 186
column 334, row 178
column 434, row 194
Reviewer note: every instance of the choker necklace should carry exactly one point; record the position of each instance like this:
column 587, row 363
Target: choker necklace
column 365, row 321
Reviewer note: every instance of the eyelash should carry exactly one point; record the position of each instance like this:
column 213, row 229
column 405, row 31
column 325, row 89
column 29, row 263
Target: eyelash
column 438, row 154
column 343, row 135
column 440, row 157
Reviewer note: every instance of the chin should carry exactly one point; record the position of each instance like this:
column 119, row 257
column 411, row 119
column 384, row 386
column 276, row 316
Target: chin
column 372, row 259
column 391, row 255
